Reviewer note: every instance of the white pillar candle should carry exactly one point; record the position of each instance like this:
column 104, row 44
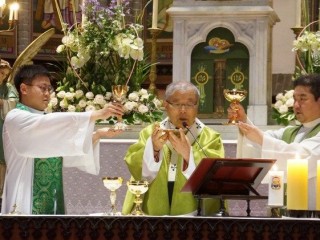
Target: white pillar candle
column 297, row 184
column 155, row 14
column 276, row 188
column 298, row 13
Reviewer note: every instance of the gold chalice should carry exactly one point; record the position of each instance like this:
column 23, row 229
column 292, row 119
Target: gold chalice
column 137, row 188
column 112, row 183
column 234, row 96
column 119, row 93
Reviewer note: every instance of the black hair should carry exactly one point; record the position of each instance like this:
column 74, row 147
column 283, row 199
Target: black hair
column 27, row 73
column 312, row 81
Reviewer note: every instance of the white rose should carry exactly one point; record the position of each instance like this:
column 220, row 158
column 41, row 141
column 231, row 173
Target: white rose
column 283, row 109
column 143, row 91
column 144, row 96
column 64, row 104
column 143, row 108
column 99, row 99
column 290, row 102
column 90, row 108
column 90, row 95
column 278, row 104
column 78, row 94
column 129, row 106
column 82, row 103
column 108, row 95
column 279, row 96
column 49, row 108
column 71, row 108
column 54, row 101
column 61, row 94
column 289, row 94
column 133, row 96
column 69, row 96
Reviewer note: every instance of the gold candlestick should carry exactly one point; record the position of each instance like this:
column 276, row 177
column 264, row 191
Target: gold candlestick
column 153, row 69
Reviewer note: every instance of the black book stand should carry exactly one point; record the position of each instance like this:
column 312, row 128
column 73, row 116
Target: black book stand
column 228, row 178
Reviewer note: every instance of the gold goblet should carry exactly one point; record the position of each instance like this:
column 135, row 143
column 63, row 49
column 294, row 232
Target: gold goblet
column 112, row 183
column 137, row 188
column 119, row 93
column 234, row 96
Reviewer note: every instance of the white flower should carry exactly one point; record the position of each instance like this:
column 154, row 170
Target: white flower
column 290, row 102
column 82, row 103
column 69, row 95
column 143, row 108
column 108, row 95
column 144, row 96
column 278, row 104
column 61, row 94
column 63, row 104
column 133, row 96
column 143, row 91
column 90, row 95
column 71, row 108
column 289, row 94
column 53, row 101
column 90, row 108
column 279, row 96
column 60, row 48
column 129, row 106
column 283, row 109
column 78, row 94
column 99, row 99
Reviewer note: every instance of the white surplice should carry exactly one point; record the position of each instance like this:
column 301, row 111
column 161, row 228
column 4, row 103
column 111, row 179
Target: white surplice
column 29, row 135
column 275, row 148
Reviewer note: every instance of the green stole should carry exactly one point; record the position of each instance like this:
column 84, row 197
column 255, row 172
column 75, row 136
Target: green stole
column 290, row 133
column 47, row 192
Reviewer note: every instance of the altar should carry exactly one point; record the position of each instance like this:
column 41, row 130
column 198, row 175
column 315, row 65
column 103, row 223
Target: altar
column 126, row 227
column 85, row 193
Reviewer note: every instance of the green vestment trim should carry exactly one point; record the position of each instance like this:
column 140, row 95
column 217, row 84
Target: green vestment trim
column 47, row 192
column 290, row 133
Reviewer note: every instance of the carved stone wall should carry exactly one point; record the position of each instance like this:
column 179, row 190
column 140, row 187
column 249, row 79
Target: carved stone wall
column 251, row 24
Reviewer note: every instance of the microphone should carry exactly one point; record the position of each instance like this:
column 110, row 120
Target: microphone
column 185, row 125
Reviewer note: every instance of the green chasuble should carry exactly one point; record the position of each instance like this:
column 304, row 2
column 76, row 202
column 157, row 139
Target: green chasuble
column 47, row 192
column 156, row 200
column 291, row 132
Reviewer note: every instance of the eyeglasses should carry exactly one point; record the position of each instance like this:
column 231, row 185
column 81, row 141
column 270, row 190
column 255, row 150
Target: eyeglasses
column 186, row 106
column 43, row 88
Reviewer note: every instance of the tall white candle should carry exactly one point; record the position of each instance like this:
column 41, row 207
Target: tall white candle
column 298, row 13
column 155, row 14
column 318, row 187
column 276, row 188
column 11, row 14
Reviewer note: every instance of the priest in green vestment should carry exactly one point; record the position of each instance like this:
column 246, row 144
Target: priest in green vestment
column 37, row 146
column 166, row 159
column 291, row 141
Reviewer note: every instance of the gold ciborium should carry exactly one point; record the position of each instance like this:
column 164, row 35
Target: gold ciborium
column 119, row 93
column 137, row 188
column 112, row 183
column 234, row 96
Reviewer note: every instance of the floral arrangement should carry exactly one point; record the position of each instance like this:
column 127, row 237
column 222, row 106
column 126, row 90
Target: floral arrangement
column 307, row 48
column 106, row 49
column 283, row 108
column 140, row 106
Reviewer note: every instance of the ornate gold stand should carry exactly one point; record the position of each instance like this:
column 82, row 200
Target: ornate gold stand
column 153, row 69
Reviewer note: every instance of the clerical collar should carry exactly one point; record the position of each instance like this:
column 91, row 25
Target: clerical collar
column 312, row 123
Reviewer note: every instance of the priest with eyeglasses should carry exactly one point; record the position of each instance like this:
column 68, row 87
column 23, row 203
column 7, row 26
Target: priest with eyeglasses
column 168, row 152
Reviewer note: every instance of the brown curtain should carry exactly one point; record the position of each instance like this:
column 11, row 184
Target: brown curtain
column 310, row 13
